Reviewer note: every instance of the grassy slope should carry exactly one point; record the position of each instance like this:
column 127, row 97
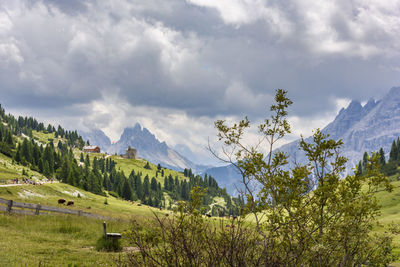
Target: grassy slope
column 9, row 171
column 58, row 239
column 126, row 165
column 48, row 194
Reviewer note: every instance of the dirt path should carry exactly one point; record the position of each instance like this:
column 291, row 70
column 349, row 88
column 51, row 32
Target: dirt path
column 20, row 184
column 8, row 185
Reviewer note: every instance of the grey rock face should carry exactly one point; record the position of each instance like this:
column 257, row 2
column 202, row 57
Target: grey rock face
column 147, row 145
column 361, row 128
column 366, row 128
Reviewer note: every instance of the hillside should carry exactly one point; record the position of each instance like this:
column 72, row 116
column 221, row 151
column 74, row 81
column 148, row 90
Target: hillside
column 51, row 240
column 147, row 145
column 31, row 151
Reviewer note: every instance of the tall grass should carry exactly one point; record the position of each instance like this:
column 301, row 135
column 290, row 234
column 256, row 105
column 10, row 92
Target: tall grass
column 58, row 240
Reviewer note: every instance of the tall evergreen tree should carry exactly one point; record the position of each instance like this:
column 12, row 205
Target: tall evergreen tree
column 126, row 191
column 146, row 186
column 153, row 185
column 393, row 152
column 382, row 160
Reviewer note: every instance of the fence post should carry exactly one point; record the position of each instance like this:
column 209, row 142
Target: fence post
column 105, row 229
column 79, row 212
column 10, row 204
column 37, row 209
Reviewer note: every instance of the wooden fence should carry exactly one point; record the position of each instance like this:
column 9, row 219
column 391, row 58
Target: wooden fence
column 26, row 208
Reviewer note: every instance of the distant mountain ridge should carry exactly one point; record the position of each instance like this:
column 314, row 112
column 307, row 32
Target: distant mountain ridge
column 147, row 146
column 362, row 128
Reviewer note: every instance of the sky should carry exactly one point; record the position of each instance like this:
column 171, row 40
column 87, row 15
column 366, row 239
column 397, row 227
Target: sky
column 176, row 66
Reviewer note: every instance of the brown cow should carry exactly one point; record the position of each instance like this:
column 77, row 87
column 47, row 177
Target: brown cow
column 61, row 201
column 70, row 203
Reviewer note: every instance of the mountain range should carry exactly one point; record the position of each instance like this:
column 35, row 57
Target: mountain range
column 362, row 128
column 147, row 145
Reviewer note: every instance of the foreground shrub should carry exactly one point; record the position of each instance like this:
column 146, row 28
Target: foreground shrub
column 306, row 215
column 108, row 244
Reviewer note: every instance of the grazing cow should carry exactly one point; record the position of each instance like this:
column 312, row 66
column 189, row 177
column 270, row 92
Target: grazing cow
column 139, row 204
column 208, row 215
column 61, row 201
column 70, row 203
column 167, row 215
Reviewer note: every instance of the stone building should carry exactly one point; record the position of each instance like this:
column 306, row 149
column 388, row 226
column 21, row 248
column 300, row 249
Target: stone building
column 130, row 153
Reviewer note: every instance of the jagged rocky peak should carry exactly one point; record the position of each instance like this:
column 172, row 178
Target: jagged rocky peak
column 354, row 106
column 353, row 111
column 135, row 131
column 369, row 106
column 394, row 91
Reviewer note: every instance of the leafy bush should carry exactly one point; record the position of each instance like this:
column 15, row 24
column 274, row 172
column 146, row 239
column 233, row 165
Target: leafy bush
column 304, row 216
column 147, row 166
column 108, row 244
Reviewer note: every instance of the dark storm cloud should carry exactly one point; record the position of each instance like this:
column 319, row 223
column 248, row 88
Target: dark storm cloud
column 201, row 57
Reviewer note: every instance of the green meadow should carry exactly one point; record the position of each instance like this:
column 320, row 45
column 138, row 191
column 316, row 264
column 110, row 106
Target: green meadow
column 63, row 240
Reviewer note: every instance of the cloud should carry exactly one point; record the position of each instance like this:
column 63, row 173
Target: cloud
column 110, row 64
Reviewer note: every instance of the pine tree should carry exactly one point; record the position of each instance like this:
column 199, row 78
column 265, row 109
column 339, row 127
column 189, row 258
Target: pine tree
column 382, row 160
column 126, row 191
column 184, row 191
column 393, row 152
column 48, row 157
column 138, row 186
column 146, row 186
column 365, row 160
column 359, row 168
column 46, row 169
column 26, row 150
column 166, row 184
column 36, row 154
column 87, row 160
column 106, row 182
column 153, row 185
column 9, row 139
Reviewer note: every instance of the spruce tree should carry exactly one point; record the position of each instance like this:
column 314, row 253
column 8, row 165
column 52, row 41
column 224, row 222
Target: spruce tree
column 146, row 186
column 393, row 152
column 166, row 184
column 382, row 160
column 126, row 191
column 9, row 139
column 153, row 185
